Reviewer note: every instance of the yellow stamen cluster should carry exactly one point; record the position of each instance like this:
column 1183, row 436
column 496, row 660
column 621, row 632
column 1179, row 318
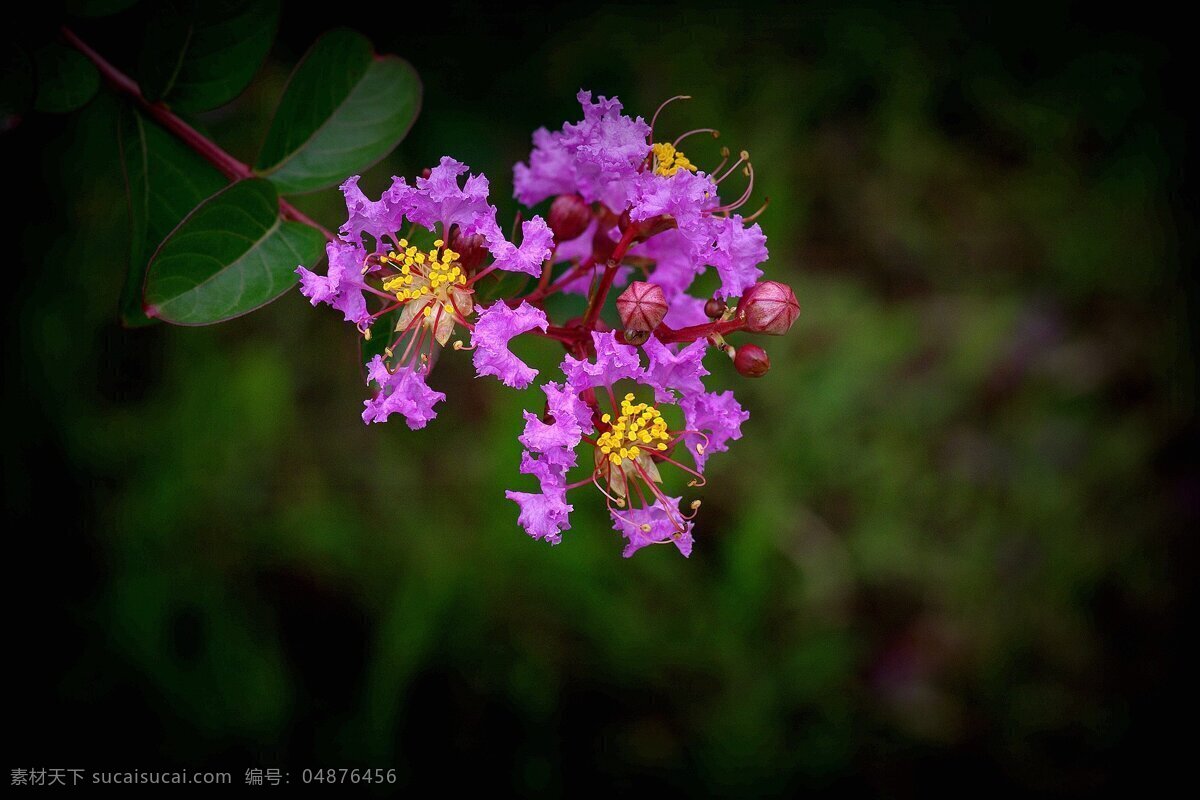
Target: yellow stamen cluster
column 640, row 427
column 422, row 273
column 668, row 160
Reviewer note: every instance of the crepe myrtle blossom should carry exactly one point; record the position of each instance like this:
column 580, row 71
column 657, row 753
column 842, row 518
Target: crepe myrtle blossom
column 628, row 210
column 395, row 252
column 628, row 442
column 615, row 163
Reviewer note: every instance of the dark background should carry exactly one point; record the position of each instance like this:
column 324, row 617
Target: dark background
column 951, row 550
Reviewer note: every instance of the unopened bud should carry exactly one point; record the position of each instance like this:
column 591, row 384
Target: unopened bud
column 770, row 307
column 642, row 306
column 602, row 244
column 635, row 338
column 714, row 308
column 751, row 360
column 569, row 217
column 471, row 249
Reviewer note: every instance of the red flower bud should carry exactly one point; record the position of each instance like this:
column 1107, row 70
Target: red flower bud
column 642, row 306
column 714, row 308
column 602, row 244
column 569, row 217
column 751, row 360
column 471, row 249
column 770, row 307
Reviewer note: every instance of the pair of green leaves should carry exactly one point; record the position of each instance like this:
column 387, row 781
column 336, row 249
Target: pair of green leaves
column 204, row 252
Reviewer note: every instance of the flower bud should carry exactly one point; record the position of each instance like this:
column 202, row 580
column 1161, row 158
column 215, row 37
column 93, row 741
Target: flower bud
column 602, row 244
column 751, row 360
column 770, row 307
column 714, row 308
column 569, row 217
column 471, row 249
column 642, row 306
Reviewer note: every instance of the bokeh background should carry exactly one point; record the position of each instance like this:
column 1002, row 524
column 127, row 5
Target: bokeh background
column 952, row 548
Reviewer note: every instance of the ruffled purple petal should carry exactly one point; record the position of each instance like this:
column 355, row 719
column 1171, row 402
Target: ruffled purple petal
column 570, row 418
column 653, row 525
column 341, row 286
column 685, row 311
column 680, row 371
column 677, row 260
column 544, row 515
column 684, row 197
column 496, row 326
column 719, row 416
column 551, row 169
column 440, row 199
column 736, row 255
column 597, row 157
column 536, row 241
column 377, row 218
column 403, row 391
column 614, row 361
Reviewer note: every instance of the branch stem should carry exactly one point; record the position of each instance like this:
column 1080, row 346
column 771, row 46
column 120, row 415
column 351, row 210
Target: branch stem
column 229, row 166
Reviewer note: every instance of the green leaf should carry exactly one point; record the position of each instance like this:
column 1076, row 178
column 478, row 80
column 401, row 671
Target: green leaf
column 203, row 54
column 65, row 79
column 344, row 109
column 231, row 255
column 165, row 180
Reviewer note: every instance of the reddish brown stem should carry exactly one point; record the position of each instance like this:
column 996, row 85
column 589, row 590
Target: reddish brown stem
column 693, row 332
column 205, row 147
column 610, row 273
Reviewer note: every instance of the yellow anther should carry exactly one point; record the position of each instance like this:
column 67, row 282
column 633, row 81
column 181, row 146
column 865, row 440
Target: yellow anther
column 668, row 160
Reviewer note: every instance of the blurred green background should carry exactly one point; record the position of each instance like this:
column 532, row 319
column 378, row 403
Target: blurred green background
column 949, row 550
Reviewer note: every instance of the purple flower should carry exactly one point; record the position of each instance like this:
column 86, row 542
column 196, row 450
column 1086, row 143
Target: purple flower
column 543, row 515
column 736, row 255
column 684, row 197
column 685, row 311
column 550, row 170
column 439, row 199
column 719, row 416
column 341, row 286
column 655, row 524
column 377, row 218
column 496, row 326
column 597, row 157
column 402, row 391
column 677, row 261
column 668, row 370
column 571, row 418
column 614, row 361
column 536, row 241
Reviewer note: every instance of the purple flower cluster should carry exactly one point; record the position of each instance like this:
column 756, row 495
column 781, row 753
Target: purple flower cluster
column 406, row 269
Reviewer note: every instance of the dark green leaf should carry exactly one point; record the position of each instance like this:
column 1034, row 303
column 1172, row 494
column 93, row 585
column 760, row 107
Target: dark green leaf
column 65, row 79
column 231, row 255
column 165, row 180
column 203, row 54
column 344, row 109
